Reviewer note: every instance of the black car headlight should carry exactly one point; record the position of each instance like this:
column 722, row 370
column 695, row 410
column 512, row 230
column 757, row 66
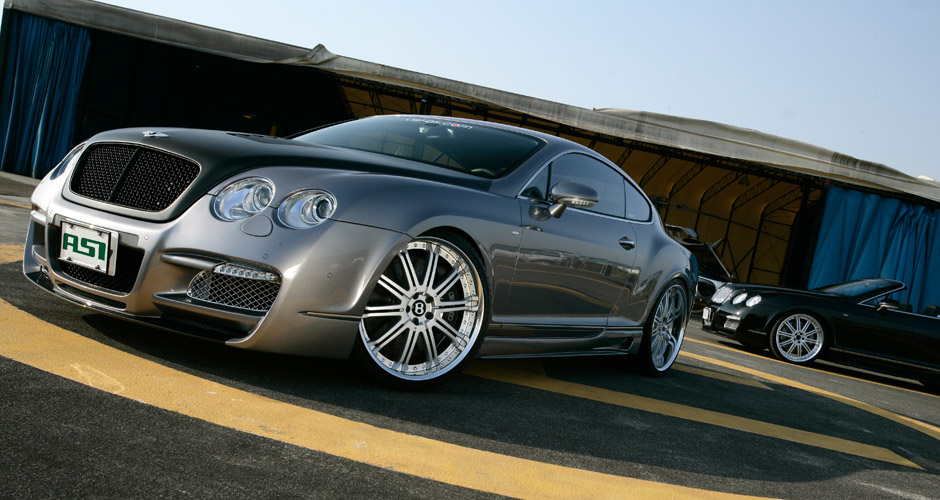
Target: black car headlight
column 306, row 208
column 243, row 198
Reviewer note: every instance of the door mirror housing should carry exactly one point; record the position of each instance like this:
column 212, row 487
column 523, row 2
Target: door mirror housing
column 571, row 194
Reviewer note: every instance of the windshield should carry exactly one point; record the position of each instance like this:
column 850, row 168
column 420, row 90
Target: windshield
column 857, row 288
column 471, row 148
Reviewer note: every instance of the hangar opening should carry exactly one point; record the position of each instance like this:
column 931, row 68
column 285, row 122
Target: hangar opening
column 762, row 200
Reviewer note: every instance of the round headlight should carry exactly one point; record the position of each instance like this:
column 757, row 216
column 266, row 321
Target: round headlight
column 753, row 301
column 306, row 208
column 244, row 198
column 739, row 298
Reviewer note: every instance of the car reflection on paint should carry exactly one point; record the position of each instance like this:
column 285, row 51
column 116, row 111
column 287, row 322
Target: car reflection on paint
column 855, row 322
column 411, row 243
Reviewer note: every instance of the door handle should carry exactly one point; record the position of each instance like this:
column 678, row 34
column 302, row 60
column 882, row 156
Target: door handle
column 532, row 228
column 627, row 243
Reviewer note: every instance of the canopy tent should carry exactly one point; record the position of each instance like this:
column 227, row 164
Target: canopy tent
column 758, row 196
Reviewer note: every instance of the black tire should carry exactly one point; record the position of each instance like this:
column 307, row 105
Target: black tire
column 798, row 338
column 421, row 328
column 664, row 330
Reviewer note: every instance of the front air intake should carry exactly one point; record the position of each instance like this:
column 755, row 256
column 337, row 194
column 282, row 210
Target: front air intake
column 235, row 286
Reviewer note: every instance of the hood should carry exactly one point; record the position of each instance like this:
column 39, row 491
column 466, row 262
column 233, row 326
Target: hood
column 221, row 155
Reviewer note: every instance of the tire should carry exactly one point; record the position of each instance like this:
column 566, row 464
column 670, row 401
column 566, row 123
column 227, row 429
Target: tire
column 421, row 328
column 664, row 330
column 798, row 338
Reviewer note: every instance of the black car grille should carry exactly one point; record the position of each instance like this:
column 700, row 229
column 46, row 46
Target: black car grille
column 132, row 176
column 125, row 275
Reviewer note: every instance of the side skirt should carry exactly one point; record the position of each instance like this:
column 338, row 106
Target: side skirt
column 610, row 341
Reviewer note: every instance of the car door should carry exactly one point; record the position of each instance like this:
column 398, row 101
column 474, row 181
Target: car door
column 571, row 270
column 898, row 334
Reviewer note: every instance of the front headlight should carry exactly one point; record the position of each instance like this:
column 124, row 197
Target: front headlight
column 243, row 198
column 739, row 298
column 753, row 301
column 306, row 208
column 68, row 162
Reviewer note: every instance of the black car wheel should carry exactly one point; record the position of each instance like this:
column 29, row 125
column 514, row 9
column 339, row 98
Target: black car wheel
column 664, row 330
column 427, row 315
column 798, row 338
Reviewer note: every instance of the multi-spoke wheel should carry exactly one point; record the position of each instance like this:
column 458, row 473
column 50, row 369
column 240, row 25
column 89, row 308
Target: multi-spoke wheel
column 798, row 338
column 664, row 330
column 426, row 316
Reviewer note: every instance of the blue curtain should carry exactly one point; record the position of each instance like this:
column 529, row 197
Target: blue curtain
column 43, row 69
column 867, row 236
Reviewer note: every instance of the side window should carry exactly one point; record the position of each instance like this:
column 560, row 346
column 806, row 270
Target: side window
column 637, row 206
column 590, row 172
column 537, row 189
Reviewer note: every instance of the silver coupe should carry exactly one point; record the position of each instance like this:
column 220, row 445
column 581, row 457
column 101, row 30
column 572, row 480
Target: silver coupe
column 411, row 243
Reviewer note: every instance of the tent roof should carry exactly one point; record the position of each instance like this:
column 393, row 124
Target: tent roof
column 672, row 131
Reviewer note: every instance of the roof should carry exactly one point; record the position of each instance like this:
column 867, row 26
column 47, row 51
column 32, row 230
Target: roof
column 672, row 131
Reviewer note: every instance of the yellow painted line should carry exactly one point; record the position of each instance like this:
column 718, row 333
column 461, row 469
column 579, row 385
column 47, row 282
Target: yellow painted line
column 13, row 204
column 734, row 379
column 766, row 358
column 917, row 425
column 534, row 376
column 11, row 253
column 27, row 339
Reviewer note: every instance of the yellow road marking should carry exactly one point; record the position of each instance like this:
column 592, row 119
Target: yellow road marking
column 534, row 376
column 11, row 253
column 766, row 358
column 734, row 379
column 27, row 339
column 917, row 425
column 13, row 204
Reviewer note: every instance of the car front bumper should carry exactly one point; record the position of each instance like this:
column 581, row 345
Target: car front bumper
column 317, row 279
column 748, row 325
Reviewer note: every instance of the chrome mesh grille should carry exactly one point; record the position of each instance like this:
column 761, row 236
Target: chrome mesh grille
column 234, row 291
column 132, row 176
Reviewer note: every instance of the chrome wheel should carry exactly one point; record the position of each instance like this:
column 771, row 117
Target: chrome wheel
column 665, row 330
column 426, row 314
column 798, row 338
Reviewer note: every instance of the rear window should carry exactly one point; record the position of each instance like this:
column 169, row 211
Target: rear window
column 472, row 148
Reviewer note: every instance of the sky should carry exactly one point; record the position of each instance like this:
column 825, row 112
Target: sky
column 859, row 77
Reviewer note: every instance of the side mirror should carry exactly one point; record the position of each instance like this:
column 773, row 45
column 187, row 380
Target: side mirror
column 888, row 305
column 571, row 194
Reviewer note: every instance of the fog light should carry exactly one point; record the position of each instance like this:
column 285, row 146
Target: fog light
column 244, row 272
column 733, row 322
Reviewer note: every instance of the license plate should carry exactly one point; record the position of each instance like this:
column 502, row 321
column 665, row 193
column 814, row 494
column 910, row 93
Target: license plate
column 88, row 246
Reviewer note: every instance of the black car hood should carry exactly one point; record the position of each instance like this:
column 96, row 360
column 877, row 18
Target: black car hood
column 220, row 155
